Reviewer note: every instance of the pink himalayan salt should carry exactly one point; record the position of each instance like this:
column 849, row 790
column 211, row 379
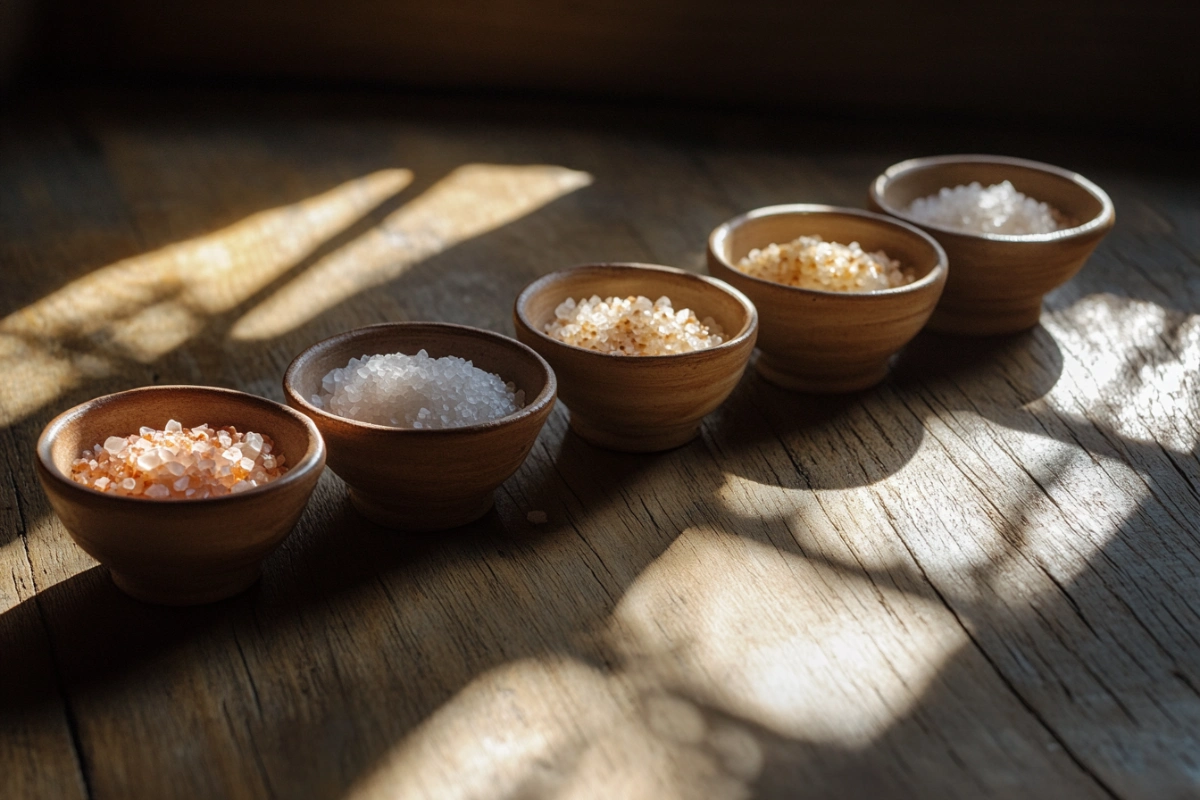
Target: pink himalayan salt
column 178, row 463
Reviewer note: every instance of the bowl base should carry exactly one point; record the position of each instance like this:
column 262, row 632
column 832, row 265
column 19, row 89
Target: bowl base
column 187, row 590
column 417, row 515
column 786, row 376
column 973, row 321
column 634, row 439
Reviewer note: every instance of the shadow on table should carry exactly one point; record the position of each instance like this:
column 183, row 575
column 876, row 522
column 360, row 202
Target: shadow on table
column 350, row 618
column 852, row 440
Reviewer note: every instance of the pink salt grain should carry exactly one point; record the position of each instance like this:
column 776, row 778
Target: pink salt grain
column 173, row 463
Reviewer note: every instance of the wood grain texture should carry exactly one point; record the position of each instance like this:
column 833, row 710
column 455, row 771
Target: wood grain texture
column 979, row 579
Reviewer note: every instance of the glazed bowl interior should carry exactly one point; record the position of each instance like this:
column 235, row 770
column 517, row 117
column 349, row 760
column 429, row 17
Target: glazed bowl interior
column 537, row 303
column 1080, row 203
column 734, row 240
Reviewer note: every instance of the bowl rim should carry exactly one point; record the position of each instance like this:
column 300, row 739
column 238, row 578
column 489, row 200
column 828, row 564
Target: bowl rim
column 1103, row 219
column 313, row 458
column 544, row 398
column 749, row 328
column 720, row 233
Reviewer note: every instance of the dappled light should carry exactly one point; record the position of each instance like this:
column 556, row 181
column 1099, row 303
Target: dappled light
column 1148, row 386
column 558, row 728
column 143, row 307
column 470, row 201
column 778, row 640
column 718, row 638
column 977, row 578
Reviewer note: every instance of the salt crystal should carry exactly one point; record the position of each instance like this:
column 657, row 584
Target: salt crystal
column 172, row 459
column 400, row 390
column 148, row 461
column 810, row 262
column 999, row 208
column 632, row 326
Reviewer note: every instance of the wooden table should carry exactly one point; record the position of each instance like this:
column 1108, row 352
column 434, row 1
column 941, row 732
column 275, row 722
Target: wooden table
column 978, row 580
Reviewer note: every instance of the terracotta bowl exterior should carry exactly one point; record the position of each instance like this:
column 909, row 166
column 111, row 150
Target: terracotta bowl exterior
column 420, row 479
column 640, row 403
column 996, row 281
column 823, row 341
column 180, row 552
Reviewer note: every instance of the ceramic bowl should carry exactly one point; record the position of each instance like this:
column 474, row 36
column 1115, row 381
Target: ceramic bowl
column 180, row 552
column 824, row 341
column 425, row 479
column 639, row 403
column 997, row 281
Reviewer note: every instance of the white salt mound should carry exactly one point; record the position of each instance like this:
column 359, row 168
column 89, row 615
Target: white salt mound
column 417, row 392
column 997, row 209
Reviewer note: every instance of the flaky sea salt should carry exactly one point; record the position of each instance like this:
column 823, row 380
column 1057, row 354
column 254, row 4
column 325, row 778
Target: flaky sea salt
column 632, row 326
column 810, row 262
column 406, row 391
column 178, row 463
column 999, row 208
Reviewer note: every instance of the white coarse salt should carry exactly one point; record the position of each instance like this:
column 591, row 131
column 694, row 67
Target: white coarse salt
column 810, row 262
column 404, row 391
column 999, row 208
column 632, row 326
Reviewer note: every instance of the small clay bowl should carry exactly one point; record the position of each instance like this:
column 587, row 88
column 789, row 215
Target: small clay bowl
column 825, row 341
column 425, row 479
column 640, row 403
column 180, row 552
column 997, row 281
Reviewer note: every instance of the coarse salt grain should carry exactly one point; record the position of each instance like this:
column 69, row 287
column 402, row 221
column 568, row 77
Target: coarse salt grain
column 406, row 391
column 810, row 262
column 166, row 464
column 999, row 208
column 632, row 326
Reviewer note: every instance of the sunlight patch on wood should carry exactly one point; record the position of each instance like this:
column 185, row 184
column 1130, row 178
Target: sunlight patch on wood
column 781, row 641
column 556, row 727
column 470, row 201
column 718, row 639
column 143, row 307
column 1147, row 387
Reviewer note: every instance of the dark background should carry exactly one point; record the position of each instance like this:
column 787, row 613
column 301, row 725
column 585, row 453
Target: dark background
column 1083, row 63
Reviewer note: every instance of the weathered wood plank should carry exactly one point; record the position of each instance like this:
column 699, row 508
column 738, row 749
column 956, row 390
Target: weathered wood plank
column 979, row 579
